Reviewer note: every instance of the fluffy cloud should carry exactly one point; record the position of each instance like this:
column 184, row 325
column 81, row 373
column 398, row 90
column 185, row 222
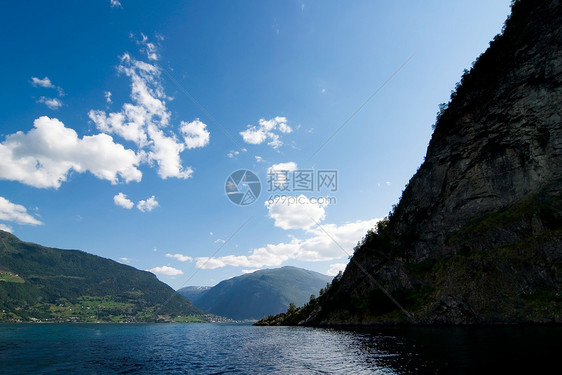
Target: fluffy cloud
column 266, row 130
column 278, row 174
column 295, row 212
column 44, row 82
column 16, row 213
column 122, row 201
column 253, row 135
column 143, row 205
column 45, row 156
column 149, row 107
column 336, row 268
column 147, row 205
column 146, row 121
column 180, row 257
column 149, row 48
column 107, row 96
column 289, row 166
column 165, row 270
column 166, row 152
column 51, row 103
column 115, row 4
column 327, row 242
column 195, row 134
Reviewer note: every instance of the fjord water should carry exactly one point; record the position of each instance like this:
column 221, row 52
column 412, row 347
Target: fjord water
column 244, row 349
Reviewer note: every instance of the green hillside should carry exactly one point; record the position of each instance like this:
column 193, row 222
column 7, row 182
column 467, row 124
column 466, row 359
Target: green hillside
column 48, row 284
column 262, row 293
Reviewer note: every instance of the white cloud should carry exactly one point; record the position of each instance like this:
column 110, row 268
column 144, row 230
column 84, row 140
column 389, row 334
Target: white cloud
column 266, row 130
column 46, row 155
column 44, row 82
column 195, row 134
column 122, row 201
column 220, row 240
column 143, row 205
column 147, row 205
column 115, row 4
column 319, row 246
column 253, row 135
column 251, row 271
column 125, row 260
column 149, row 48
column 146, row 121
column 149, row 107
column 165, row 270
column 289, row 166
column 336, row 268
column 180, row 257
column 233, row 154
column 259, row 159
column 5, row 228
column 166, row 152
column 16, row 213
column 107, row 95
column 295, row 212
column 52, row 103
column 279, row 173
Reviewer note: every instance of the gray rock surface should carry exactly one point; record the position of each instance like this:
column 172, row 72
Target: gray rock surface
column 477, row 234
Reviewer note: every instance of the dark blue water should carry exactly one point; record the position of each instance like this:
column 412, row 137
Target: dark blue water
column 244, row 349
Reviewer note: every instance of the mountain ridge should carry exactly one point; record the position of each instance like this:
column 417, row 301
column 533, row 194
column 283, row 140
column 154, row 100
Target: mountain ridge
column 193, row 293
column 261, row 293
column 40, row 283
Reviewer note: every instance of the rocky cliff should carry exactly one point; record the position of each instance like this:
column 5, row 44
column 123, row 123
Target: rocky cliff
column 477, row 234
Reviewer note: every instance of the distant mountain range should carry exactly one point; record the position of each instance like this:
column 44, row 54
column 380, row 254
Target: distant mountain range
column 258, row 294
column 193, row 293
column 45, row 284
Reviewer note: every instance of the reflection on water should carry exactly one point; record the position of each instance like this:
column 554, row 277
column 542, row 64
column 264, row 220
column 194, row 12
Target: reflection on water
column 244, row 349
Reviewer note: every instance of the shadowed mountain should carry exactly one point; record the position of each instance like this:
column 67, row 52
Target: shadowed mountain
column 193, row 293
column 262, row 293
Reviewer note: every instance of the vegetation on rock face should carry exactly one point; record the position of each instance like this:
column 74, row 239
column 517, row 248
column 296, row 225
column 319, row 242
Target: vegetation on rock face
column 45, row 284
column 477, row 235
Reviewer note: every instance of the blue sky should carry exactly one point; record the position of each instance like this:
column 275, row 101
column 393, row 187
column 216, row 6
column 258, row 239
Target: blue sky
column 122, row 120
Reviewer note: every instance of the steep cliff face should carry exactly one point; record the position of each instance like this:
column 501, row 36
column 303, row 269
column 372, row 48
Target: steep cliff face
column 477, row 235
column 500, row 139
